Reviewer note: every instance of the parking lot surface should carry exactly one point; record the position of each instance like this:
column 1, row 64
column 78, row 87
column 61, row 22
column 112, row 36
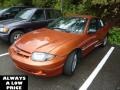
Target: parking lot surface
column 107, row 79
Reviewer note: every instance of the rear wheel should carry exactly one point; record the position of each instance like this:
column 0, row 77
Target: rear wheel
column 15, row 35
column 104, row 41
column 71, row 63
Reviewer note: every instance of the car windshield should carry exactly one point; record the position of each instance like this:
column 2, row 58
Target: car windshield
column 25, row 14
column 70, row 25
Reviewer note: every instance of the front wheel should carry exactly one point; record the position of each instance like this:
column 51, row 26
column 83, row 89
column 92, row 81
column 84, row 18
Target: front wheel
column 70, row 64
column 15, row 35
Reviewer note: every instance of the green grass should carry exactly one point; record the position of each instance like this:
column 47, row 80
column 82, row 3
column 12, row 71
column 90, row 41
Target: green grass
column 114, row 36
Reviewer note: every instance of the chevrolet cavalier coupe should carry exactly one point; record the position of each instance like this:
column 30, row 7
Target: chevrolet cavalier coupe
column 57, row 49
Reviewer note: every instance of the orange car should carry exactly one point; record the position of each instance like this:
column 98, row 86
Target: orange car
column 58, row 48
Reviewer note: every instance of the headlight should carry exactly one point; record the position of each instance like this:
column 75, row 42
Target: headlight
column 36, row 56
column 4, row 29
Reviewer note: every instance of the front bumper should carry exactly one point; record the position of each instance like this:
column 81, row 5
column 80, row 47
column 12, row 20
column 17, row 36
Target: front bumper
column 47, row 68
column 4, row 37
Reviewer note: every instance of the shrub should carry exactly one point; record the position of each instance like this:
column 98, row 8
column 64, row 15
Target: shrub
column 114, row 37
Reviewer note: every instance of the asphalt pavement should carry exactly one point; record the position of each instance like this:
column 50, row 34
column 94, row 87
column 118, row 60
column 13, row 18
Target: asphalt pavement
column 107, row 79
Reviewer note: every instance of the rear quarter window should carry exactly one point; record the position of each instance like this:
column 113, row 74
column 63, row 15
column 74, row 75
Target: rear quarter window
column 101, row 22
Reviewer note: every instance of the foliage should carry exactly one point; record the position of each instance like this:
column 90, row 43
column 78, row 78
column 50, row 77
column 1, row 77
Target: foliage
column 114, row 36
column 43, row 3
column 7, row 3
column 78, row 8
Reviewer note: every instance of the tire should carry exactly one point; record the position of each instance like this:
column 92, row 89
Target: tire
column 104, row 41
column 71, row 63
column 15, row 35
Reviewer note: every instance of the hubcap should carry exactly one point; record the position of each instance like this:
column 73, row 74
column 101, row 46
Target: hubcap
column 17, row 36
column 105, row 41
column 74, row 62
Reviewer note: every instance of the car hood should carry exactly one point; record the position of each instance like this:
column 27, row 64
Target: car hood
column 11, row 22
column 43, row 40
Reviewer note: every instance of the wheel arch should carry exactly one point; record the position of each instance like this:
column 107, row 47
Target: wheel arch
column 68, row 51
column 16, row 29
column 78, row 50
column 67, row 65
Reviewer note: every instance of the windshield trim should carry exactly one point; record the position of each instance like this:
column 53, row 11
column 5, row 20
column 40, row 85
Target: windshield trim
column 75, row 29
column 23, row 11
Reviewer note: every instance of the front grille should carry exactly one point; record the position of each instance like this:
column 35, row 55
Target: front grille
column 22, row 53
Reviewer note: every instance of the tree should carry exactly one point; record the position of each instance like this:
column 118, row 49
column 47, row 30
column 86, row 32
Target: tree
column 1, row 2
column 27, row 2
column 44, row 3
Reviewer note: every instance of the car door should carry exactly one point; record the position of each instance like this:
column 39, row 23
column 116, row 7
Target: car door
column 50, row 15
column 38, row 19
column 101, row 32
column 91, row 37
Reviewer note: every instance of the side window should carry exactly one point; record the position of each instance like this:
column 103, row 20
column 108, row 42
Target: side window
column 13, row 10
column 101, row 22
column 50, row 14
column 96, row 24
column 93, row 25
column 38, row 15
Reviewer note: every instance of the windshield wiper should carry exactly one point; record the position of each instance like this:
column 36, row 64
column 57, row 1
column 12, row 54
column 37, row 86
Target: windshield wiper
column 64, row 30
column 58, row 28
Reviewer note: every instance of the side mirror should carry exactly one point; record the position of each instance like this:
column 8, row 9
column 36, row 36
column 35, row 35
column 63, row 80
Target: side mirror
column 33, row 18
column 90, row 31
